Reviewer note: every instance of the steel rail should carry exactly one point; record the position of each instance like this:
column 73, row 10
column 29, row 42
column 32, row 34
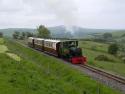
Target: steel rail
column 105, row 74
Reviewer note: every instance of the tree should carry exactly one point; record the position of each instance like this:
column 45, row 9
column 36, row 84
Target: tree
column 1, row 34
column 23, row 35
column 123, row 35
column 113, row 49
column 107, row 35
column 16, row 35
column 28, row 34
column 43, row 32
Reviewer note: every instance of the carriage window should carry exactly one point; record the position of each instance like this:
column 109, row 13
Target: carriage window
column 70, row 44
column 49, row 44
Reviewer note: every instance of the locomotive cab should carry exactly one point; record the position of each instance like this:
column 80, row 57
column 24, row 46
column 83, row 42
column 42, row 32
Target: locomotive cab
column 74, row 50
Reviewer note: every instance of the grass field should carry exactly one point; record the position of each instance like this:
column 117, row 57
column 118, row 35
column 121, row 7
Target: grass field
column 94, row 46
column 3, row 48
column 93, row 49
column 42, row 75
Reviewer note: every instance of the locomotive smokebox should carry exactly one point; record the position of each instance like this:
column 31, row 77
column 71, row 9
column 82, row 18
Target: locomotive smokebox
column 79, row 60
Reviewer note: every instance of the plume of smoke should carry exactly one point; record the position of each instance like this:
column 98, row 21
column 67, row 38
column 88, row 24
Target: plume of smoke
column 65, row 10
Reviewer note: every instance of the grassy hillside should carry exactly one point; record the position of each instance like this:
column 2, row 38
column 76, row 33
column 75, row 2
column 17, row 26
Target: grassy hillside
column 118, row 33
column 94, row 49
column 22, row 73
column 94, row 46
column 119, row 36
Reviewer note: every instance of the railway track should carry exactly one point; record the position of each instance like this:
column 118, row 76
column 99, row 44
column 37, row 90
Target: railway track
column 116, row 78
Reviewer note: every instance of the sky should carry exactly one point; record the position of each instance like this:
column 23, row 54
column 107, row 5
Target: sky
column 100, row 14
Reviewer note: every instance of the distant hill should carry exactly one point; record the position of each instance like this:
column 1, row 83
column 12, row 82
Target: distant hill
column 10, row 31
column 76, row 32
column 62, row 32
column 86, row 32
column 118, row 35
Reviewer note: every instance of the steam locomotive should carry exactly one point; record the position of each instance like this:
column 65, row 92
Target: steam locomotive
column 66, row 49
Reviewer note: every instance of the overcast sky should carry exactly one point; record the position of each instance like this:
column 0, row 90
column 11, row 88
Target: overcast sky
column 109, row 14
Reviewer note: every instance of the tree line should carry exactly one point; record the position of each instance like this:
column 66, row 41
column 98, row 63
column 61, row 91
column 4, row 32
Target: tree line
column 22, row 35
column 41, row 32
column 1, row 34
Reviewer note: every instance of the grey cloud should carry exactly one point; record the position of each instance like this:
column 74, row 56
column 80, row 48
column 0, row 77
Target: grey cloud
column 85, row 13
column 65, row 11
column 11, row 5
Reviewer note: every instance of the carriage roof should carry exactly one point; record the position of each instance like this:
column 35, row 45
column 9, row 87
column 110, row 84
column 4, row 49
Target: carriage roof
column 53, row 40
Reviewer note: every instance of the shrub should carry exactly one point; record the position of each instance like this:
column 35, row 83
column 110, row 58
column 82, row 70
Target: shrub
column 93, row 48
column 102, row 58
column 123, row 59
column 123, row 35
column 107, row 35
column 101, row 40
column 113, row 49
column 121, row 55
column 1, row 34
column 16, row 35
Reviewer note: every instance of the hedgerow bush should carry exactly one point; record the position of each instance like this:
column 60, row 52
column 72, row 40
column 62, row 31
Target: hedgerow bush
column 103, row 58
column 123, row 59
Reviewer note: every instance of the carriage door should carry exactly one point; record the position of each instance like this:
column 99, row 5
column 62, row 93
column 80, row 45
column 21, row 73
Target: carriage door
column 58, row 49
column 33, row 45
column 42, row 45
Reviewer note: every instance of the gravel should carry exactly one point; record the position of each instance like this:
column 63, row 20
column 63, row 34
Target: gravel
column 102, row 79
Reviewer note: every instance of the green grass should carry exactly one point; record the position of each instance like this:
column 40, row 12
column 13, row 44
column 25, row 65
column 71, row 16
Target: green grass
column 14, row 56
column 115, row 66
column 40, row 74
column 1, row 41
column 94, row 46
column 3, row 48
column 118, row 33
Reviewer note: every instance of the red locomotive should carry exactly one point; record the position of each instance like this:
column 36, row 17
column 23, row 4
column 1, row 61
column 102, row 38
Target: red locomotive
column 66, row 49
